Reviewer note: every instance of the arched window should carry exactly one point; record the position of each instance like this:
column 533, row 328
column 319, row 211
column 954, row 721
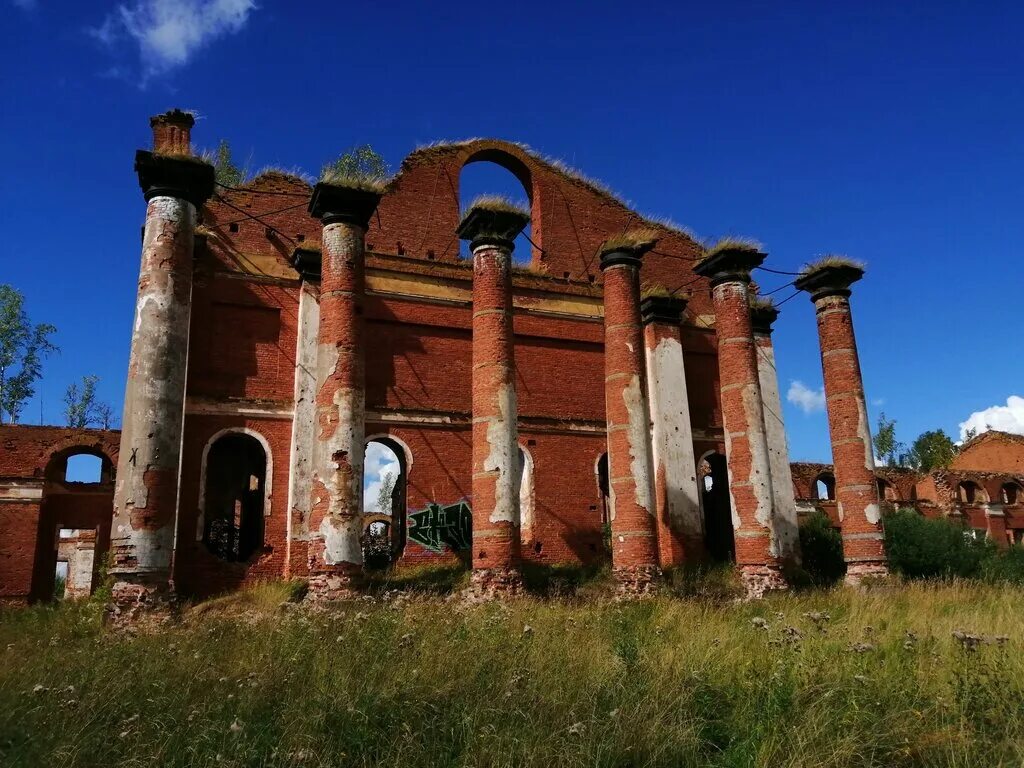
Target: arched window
column 825, row 486
column 496, row 173
column 526, row 496
column 385, row 481
column 234, row 502
column 1011, row 493
column 79, row 465
column 970, row 492
column 886, row 491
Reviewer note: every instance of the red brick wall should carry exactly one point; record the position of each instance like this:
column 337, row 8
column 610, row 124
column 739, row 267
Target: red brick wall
column 27, row 528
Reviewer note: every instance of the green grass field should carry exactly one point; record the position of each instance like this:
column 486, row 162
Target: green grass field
column 892, row 677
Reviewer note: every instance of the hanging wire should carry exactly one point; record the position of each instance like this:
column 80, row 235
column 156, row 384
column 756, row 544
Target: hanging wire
column 255, row 218
column 791, row 296
column 262, row 191
column 778, row 271
column 265, row 213
column 776, row 290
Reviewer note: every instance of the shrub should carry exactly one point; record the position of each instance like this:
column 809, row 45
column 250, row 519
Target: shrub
column 1005, row 566
column 822, row 548
column 921, row 548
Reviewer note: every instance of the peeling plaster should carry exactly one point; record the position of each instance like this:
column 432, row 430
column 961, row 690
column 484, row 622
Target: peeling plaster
column 672, row 444
column 637, row 434
column 873, row 513
column 785, row 530
column 303, row 448
column 502, row 439
column 760, row 471
column 864, row 433
column 142, row 536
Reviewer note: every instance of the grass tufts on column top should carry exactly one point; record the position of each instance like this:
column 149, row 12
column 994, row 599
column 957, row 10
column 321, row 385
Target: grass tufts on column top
column 731, row 243
column 642, row 239
column 761, row 303
column 363, row 183
column 498, row 204
column 829, row 261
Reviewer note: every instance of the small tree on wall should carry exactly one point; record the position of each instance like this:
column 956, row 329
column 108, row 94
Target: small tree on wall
column 23, row 346
column 362, row 162
column 887, row 448
column 387, row 489
column 932, row 450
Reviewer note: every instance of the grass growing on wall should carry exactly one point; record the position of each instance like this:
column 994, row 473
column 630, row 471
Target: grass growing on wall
column 914, row 675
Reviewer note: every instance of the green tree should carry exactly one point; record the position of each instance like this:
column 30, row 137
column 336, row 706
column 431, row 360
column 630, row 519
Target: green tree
column 361, row 162
column 887, row 448
column 22, row 349
column 80, row 403
column 932, row 450
column 105, row 416
column 387, row 487
column 227, row 173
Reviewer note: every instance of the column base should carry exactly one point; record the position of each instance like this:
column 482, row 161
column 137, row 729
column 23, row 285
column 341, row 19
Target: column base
column 137, row 604
column 857, row 573
column 638, row 581
column 759, row 580
column 486, row 584
column 342, row 583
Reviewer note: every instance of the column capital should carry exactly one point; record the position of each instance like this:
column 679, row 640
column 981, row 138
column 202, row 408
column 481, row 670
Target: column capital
column 345, row 203
column 307, row 262
column 628, row 248
column 492, row 221
column 730, row 261
column 829, row 277
column 762, row 314
column 181, row 176
column 662, row 309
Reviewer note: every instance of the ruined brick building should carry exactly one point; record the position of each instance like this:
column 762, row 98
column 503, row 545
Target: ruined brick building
column 983, row 488
column 604, row 394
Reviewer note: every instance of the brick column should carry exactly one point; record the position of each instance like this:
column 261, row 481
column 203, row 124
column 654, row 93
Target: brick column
column 630, row 464
column 746, row 439
column 146, row 490
column 300, row 465
column 853, row 458
column 676, row 492
column 785, row 532
column 335, row 522
column 491, row 229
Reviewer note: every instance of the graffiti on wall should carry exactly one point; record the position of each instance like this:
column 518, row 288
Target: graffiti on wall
column 437, row 526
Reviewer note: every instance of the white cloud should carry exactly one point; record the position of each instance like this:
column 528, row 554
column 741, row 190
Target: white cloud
column 1005, row 418
column 806, row 399
column 169, row 32
column 379, row 461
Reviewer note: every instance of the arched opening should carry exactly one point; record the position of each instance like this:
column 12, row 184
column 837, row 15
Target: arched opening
column 719, row 538
column 1011, row 493
column 969, row 492
column 526, row 496
column 886, row 490
column 234, row 502
column 79, row 464
column 605, row 489
column 84, row 468
column 385, row 480
column 825, row 486
column 73, row 532
column 496, row 173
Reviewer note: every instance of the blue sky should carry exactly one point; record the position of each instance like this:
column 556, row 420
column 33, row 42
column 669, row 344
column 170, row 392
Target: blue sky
column 891, row 134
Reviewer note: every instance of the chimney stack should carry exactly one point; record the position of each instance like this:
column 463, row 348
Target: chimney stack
column 172, row 132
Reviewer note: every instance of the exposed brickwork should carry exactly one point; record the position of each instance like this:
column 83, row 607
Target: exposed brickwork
column 857, row 500
column 745, row 436
column 633, row 522
column 334, row 550
column 496, row 513
column 35, row 501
